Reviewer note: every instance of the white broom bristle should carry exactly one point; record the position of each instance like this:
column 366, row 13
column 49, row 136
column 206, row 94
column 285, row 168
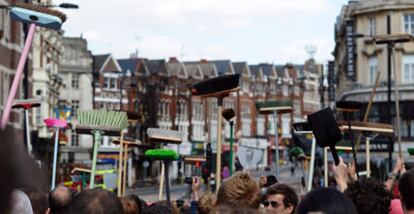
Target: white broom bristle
column 165, row 134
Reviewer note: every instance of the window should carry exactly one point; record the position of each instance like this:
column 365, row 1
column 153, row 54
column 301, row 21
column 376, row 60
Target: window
column 113, row 83
column 373, row 67
column 75, row 107
column 75, row 80
column 74, row 138
column 409, row 23
column 408, row 69
column 372, row 26
column 107, row 81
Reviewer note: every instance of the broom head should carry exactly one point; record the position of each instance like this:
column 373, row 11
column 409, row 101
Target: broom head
column 165, row 136
column 110, row 122
column 348, row 106
column 228, row 114
column 39, row 15
column 217, row 87
column 268, row 107
column 27, row 103
column 162, row 154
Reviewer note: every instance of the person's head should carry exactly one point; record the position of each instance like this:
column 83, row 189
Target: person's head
column 240, row 190
column 139, row 202
column 406, row 187
column 326, row 200
column 369, row 196
column 206, row 203
column 59, row 199
column 20, row 203
column 280, row 199
column 7, row 176
column 158, row 208
column 39, row 201
column 95, row 201
column 129, row 206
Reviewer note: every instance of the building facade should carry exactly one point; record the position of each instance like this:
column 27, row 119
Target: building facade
column 359, row 58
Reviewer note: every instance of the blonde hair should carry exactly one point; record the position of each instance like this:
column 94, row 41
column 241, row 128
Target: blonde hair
column 239, row 191
column 206, row 203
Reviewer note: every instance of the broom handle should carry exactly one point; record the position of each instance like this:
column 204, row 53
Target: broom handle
column 397, row 104
column 29, row 144
column 325, row 165
column 161, row 180
column 125, row 169
column 121, row 147
column 371, row 98
column 17, row 77
column 55, row 151
column 218, row 154
column 312, row 164
column 276, row 143
column 167, row 181
column 368, row 157
column 97, row 135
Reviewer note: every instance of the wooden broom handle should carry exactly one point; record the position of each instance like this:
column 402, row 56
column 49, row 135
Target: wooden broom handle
column 371, row 98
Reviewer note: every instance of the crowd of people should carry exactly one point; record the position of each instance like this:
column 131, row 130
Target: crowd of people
column 23, row 191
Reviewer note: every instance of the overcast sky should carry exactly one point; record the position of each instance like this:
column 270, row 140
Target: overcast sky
column 241, row 30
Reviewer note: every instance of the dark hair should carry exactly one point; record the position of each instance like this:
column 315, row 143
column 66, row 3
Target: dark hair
column 95, row 201
column 290, row 196
column 39, row 201
column 406, row 187
column 326, row 200
column 158, row 208
column 129, row 206
column 8, row 172
column 140, row 203
column 59, row 199
column 369, row 196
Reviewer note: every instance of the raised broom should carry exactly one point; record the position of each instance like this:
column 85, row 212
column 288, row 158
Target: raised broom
column 165, row 155
column 276, row 107
column 35, row 15
column 99, row 123
column 57, row 124
column 164, row 136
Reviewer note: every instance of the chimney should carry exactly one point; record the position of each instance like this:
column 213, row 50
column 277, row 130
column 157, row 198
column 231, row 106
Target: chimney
column 173, row 59
column 203, row 60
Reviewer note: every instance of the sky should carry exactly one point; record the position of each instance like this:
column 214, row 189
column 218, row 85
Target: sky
column 273, row 31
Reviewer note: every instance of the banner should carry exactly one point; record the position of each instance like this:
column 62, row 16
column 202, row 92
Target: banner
column 350, row 49
column 249, row 157
column 331, row 81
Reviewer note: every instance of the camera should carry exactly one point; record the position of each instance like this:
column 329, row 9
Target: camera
column 188, row 180
column 179, row 203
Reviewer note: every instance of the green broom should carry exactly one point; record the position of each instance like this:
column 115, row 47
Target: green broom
column 165, row 155
column 99, row 123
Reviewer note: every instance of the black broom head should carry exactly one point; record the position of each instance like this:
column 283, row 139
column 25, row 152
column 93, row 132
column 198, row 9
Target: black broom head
column 346, row 105
column 228, row 114
column 301, row 126
column 216, row 87
column 325, row 130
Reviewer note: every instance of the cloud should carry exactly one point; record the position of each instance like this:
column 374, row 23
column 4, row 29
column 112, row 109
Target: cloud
column 204, row 27
column 296, row 51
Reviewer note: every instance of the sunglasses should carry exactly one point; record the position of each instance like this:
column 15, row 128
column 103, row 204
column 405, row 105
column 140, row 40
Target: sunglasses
column 274, row 204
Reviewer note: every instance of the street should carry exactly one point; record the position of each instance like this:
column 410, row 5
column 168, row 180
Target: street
column 150, row 194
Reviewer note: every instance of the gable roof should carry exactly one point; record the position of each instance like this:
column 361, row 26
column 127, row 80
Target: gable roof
column 156, row 66
column 99, row 60
column 104, row 60
column 194, row 70
column 222, row 66
column 280, row 70
column 177, row 69
column 268, row 69
column 256, row 71
column 128, row 64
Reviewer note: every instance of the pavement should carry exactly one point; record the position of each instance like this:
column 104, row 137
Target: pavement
column 150, row 194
